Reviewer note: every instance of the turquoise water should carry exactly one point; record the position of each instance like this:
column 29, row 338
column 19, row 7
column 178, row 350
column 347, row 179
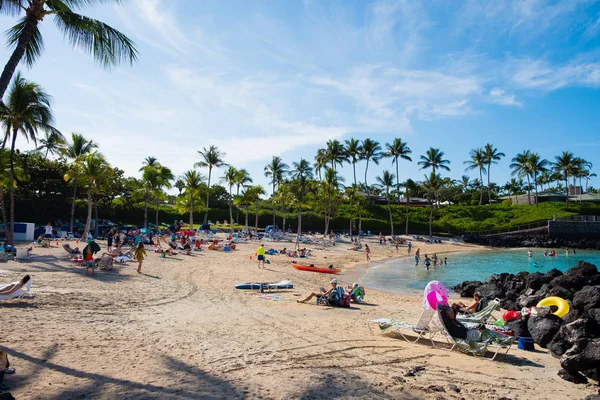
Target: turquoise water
column 401, row 276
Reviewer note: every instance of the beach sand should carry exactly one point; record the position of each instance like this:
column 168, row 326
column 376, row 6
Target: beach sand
column 181, row 331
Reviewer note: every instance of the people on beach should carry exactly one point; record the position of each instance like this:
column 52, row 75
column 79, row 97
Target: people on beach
column 326, row 296
column 357, row 293
column 427, row 262
column 48, row 231
column 260, row 254
column 409, row 246
column 469, row 309
column 529, row 253
column 445, row 260
column 139, row 254
column 416, row 260
column 567, row 251
column 109, row 239
column 14, row 287
column 367, row 252
column 434, row 259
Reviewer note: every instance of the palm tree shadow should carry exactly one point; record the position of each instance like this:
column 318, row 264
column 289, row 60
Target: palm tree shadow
column 195, row 384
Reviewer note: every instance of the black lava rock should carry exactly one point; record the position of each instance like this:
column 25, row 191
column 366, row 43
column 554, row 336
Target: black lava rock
column 575, row 377
column 587, row 298
column 519, row 327
column 543, row 328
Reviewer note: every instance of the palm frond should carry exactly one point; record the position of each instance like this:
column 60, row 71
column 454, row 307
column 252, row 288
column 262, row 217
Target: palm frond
column 34, row 47
column 107, row 45
column 11, row 7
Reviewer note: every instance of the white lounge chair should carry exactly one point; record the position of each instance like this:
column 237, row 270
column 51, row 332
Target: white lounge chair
column 22, row 254
column 19, row 293
column 423, row 328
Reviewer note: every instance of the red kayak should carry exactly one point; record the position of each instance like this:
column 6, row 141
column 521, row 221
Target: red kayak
column 317, row 269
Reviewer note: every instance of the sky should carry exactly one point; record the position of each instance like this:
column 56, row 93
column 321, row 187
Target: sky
column 264, row 78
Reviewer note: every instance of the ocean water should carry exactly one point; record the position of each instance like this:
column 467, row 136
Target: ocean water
column 401, row 276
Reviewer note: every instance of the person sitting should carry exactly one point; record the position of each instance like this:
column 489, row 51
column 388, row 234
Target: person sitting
column 284, row 251
column 357, row 293
column 231, row 245
column 71, row 250
column 187, row 248
column 172, row 245
column 479, row 304
column 455, row 328
column 302, row 253
column 327, row 297
column 292, row 253
column 11, row 288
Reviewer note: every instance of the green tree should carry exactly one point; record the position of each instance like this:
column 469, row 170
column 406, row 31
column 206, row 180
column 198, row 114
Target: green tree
column 107, row 45
column 398, row 149
column 164, row 176
column 252, row 196
column 537, row 165
column 276, row 170
column 210, row 158
column 20, row 176
column 180, row 185
column 432, row 185
column 354, row 152
column 53, row 142
column 564, row 164
column 386, row 181
column 371, row 151
column 285, row 198
column 193, row 180
column 26, row 112
column 320, row 162
column 335, row 153
column 478, row 161
column 330, row 189
column 492, row 156
column 75, row 152
column 230, row 178
column 434, row 159
column 301, row 173
column 521, row 166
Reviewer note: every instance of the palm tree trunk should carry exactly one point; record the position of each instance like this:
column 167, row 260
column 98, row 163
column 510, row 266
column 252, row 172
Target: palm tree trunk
column 390, row 211
column 567, row 188
column 359, row 223
column 366, row 185
column 247, row 228
column 157, row 207
column 327, row 214
column 354, row 171
column 430, row 221
column 528, row 190
column 397, row 181
column 299, row 221
column 273, row 198
column 47, row 149
column 146, row 211
column 283, row 225
column 73, row 204
column 536, row 190
column 96, row 216
column 237, row 210
column 24, row 38
column 88, row 220
column 256, row 218
column 207, row 196
column 11, row 232
column 481, row 191
column 488, row 185
column 191, row 211
column 230, row 211
column 407, row 203
column 3, row 208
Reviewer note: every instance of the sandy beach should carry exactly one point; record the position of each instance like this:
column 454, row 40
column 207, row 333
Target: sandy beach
column 181, row 331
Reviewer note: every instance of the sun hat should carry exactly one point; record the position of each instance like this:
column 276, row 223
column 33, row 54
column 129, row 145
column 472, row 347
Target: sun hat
column 334, row 281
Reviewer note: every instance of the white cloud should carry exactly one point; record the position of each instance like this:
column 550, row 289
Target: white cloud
column 499, row 96
column 542, row 75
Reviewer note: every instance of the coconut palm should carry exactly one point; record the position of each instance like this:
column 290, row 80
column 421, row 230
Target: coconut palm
column 320, row 162
column 398, row 149
column 330, row 188
column 242, row 178
column 537, row 165
column 92, row 168
column 149, row 162
column 521, row 166
column 75, row 151
column 545, row 178
column 20, row 176
column 26, row 112
column 301, row 172
column 410, row 186
column 276, row 170
column 478, row 161
column 53, row 142
column 252, row 195
column 386, row 181
column 211, row 158
column 564, row 164
column 164, row 176
column 335, row 153
column 180, row 185
column 107, row 45
column 432, row 185
column 284, row 197
column 434, row 159
column 149, row 181
column 588, row 175
column 492, row 156
column 229, row 179
column 192, row 179
column 354, row 152
column 370, row 151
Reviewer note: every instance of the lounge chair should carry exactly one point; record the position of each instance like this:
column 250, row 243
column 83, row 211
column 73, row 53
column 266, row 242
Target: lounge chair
column 106, row 262
column 22, row 254
column 482, row 316
column 19, row 293
column 422, row 328
column 71, row 250
column 478, row 341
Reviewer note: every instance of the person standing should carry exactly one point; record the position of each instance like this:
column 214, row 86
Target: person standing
column 139, row 254
column 367, row 252
column 409, row 247
column 260, row 253
column 48, row 231
column 109, row 239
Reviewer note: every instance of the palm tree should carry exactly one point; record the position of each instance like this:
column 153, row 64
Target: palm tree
column 521, row 166
column 478, row 161
column 320, row 161
column 398, row 149
column 432, row 185
column 164, row 176
column 211, row 158
column 149, row 181
column 26, row 112
column 545, row 178
column 371, row 151
column 230, row 178
column 180, row 185
column 587, row 175
column 301, row 173
column 193, row 180
column 284, row 197
column 335, row 153
column 434, row 159
column 514, row 187
column 75, row 151
column 107, row 45
column 492, row 156
column 564, row 165
column 149, row 162
column 537, row 165
column 20, row 176
column 242, row 178
column 276, row 169
column 330, row 186
column 354, row 152
column 386, row 181
column 253, row 194
column 53, row 143
column 465, row 183
column 409, row 186
column 89, row 171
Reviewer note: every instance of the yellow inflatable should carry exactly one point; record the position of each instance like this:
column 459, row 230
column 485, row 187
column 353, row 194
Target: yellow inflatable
column 563, row 306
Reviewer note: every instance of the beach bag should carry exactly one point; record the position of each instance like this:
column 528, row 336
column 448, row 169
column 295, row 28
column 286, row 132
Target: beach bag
column 344, row 301
column 332, row 298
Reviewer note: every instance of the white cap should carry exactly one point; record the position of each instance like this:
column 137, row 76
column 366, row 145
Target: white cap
column 334, row 281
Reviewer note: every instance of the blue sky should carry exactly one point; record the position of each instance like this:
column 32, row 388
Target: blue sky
column 264, row 78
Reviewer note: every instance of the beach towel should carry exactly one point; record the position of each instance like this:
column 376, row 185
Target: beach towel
column 18, row 293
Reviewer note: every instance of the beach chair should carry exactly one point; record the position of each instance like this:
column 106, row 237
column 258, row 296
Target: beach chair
column 22, row 254
column 106, row 262
column 19, row 293
column 478, row 342
column 482, row 316
column 70, row 250
column 423, row 327
column 3, row 255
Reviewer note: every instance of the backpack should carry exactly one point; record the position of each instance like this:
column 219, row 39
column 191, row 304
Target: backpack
column 344, row 301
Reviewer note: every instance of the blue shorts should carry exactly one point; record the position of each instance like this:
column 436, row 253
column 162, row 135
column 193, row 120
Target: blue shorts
column 261, row 258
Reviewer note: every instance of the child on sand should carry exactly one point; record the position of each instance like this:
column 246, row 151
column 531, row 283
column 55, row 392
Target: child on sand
column 139, row 256
column 367, row 252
